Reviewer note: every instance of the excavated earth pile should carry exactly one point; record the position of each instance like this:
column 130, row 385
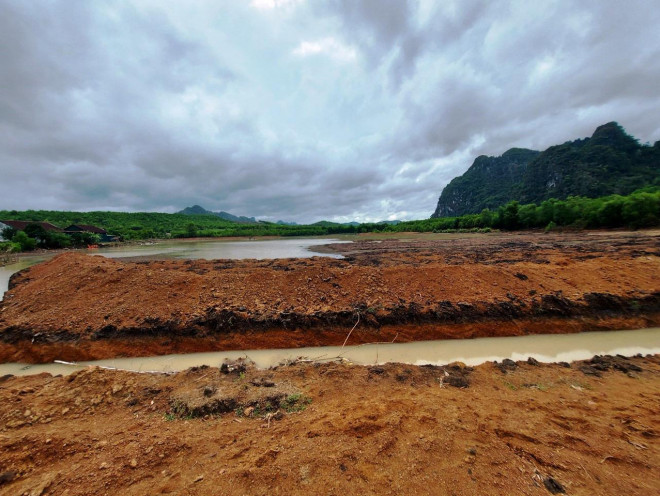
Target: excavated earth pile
column 77, row 306
column 508, row 428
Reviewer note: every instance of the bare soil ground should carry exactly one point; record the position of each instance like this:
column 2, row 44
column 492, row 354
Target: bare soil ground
column 77, row 307
column 588, row 428
column 533, row 429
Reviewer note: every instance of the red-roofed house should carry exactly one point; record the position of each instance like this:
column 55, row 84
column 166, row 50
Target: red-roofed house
column 20, row 225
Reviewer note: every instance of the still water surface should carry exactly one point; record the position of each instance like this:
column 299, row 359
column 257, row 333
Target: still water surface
column 543, row 347
column 211, row 250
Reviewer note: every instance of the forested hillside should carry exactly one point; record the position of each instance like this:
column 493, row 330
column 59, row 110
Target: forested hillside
column 609, row 162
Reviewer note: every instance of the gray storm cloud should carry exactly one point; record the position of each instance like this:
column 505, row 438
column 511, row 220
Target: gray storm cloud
column 299, row 110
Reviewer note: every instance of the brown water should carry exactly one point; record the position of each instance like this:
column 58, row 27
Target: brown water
column 544, row 347
column 8, row 270
column 216, row 249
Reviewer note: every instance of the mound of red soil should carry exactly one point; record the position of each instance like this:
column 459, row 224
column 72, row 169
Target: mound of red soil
column 79, row 307
column 531, row 429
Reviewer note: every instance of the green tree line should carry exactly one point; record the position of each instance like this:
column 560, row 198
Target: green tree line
column 637, row 210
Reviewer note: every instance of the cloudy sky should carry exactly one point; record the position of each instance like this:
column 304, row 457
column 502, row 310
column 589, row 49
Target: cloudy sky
column 304, row 110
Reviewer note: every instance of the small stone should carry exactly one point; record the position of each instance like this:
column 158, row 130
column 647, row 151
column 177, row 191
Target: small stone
column 457, row 381
column 43, row 486
column 532, row 361
column 65, row 410
column 199, row 479
column 7, row 477
column 104, row 466
column 27, row 413
column 553, row 486
column 133, row 463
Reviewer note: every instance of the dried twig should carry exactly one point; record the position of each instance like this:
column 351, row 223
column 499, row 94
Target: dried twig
column 351, row 331
column 105, row 367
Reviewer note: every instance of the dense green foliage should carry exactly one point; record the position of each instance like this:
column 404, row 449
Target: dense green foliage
column 610, row 162
column 35, row 236
column 133, row 225
column 639, row 209
column 150, row 225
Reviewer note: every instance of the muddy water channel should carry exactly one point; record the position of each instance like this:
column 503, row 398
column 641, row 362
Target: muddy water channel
column 545, row 348
column 7, row 271
column 205, row 249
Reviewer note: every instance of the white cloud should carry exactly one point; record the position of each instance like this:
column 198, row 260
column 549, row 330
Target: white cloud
column 326, row 46
column 274, row 4
column 294, row 110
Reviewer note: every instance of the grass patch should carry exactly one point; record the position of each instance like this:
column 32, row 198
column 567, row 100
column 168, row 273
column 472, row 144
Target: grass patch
column 512, row 387
column 295, row 403
column 539, row 386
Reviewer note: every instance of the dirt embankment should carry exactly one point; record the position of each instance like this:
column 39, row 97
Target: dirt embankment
column 81, row 307
column 590, row 428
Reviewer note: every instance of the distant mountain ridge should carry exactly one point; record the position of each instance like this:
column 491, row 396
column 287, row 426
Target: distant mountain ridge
column 198, row 210
column 609, row 162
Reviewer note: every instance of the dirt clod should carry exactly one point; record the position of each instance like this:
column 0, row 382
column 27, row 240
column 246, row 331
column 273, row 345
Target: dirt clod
column 553, row 486
column 7, row 476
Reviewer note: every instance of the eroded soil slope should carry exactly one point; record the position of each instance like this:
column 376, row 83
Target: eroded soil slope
column 76, row 306
column 533, row 429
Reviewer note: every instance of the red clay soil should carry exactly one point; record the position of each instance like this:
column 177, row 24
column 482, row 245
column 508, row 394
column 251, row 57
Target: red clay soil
column 529, row 429
column 77, row 306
